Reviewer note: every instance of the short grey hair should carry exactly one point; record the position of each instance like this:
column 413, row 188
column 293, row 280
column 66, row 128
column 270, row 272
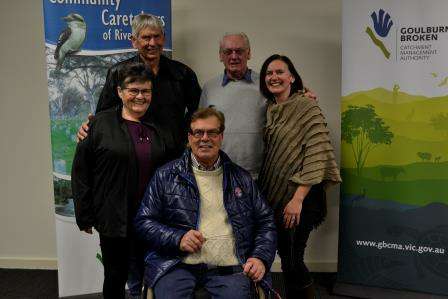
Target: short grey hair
column 242, row 34
column 144, row 20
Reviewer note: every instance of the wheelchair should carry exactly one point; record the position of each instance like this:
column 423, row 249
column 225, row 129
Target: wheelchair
column 201, row 293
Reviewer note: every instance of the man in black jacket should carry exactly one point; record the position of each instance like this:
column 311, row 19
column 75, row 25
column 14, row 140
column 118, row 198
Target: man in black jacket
column 176, row 90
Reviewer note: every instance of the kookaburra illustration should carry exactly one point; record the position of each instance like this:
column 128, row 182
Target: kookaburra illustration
column 71, row 38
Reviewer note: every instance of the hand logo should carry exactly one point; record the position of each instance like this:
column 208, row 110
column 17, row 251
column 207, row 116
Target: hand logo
column 381, row 24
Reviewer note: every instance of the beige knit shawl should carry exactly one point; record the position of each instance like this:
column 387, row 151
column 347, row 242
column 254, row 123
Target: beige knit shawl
column 297, row 149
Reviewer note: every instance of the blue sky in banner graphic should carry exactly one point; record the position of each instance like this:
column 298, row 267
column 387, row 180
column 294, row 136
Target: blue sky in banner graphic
column 108, row 22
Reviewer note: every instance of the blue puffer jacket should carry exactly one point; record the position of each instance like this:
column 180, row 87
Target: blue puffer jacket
column 170, row 208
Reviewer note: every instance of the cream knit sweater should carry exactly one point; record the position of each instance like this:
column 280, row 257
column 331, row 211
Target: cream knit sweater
column 219, row 246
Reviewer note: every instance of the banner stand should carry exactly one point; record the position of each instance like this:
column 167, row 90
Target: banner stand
column 83, row 39
column 360, row 291
column 393, row 228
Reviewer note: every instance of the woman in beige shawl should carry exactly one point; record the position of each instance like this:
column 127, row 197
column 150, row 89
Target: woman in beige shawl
column 298, row 166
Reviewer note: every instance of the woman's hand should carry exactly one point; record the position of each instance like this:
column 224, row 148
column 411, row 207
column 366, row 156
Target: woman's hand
column 291, row 213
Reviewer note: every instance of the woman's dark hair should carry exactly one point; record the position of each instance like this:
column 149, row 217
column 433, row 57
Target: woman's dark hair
column 295, row 86
column 134, row 72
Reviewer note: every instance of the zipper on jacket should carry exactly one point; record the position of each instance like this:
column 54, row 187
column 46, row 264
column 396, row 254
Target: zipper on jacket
column 225, row 186
column 196, row 195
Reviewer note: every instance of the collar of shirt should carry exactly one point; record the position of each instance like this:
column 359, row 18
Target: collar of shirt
column 247, row 77
column 195, row 164
column 164, row 69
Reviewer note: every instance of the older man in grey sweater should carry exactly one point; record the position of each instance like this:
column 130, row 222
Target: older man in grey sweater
column 236, row 93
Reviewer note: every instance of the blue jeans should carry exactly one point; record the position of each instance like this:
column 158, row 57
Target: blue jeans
column 182, row 280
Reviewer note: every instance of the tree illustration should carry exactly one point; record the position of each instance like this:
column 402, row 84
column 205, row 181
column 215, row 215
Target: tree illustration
column 86, row 73
column 364, row 131
column 68, row 105
column 395, row 91
column 440, row 122
column 89, row 72
column 424, row 156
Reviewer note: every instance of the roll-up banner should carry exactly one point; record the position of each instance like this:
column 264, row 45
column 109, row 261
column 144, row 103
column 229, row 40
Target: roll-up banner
column 394, row 196
column 83, row 39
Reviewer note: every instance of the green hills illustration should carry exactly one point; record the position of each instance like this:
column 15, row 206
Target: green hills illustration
column 395, row 146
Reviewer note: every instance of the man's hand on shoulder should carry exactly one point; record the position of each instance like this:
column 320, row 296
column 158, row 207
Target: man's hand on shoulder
column 254, row 268
column 192, row 241
column 82, row 132
column 309, row 94
column 88, row 230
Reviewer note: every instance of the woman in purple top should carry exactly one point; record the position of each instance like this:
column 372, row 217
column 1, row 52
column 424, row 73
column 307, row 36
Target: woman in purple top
column 111, row 169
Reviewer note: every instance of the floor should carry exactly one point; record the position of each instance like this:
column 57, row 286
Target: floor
column 43, row 284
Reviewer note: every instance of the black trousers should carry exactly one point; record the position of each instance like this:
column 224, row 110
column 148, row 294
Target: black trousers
column 291, row 248
column 122, row 260
column 292, row 242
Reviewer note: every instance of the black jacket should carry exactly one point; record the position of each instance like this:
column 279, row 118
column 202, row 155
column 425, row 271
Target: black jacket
column 176, row 94
column 170, row 208
column 105, row 173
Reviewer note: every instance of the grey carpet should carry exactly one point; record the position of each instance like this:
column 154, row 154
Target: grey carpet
column 43, row 284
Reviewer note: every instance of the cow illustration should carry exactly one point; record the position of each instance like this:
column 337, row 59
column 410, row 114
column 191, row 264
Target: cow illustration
column 391, row 172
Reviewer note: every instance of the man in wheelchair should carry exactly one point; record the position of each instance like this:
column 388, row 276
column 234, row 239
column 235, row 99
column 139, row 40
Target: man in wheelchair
column 204, row 222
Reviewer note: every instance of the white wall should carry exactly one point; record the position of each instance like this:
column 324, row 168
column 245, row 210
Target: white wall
column 27, row 231
column 308, row 32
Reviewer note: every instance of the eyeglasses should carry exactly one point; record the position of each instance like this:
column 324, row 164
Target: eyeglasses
column 210, row 133
column 149, row 37
column 135, row 92
column 238, row 51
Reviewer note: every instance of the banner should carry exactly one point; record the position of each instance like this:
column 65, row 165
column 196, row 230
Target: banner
column 83, row 39
column 394, row 129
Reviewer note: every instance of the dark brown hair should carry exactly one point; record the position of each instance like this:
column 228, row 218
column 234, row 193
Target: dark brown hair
column 134, row 72
column 295, row 86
